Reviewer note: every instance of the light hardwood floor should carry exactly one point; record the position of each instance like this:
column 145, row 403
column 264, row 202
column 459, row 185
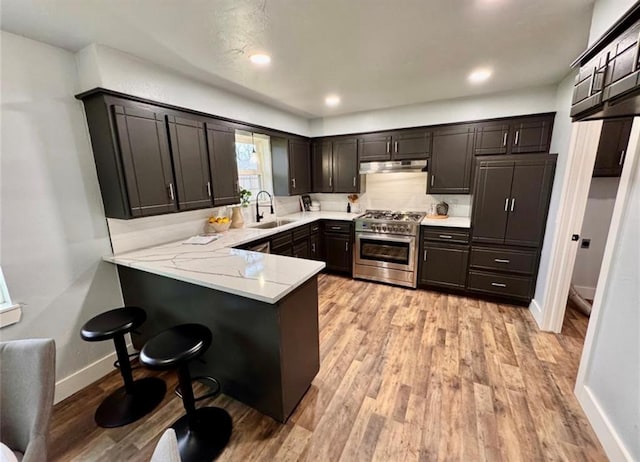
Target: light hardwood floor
column 405, row 376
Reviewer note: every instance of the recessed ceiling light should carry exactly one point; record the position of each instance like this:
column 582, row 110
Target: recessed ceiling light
column 260, row 59
column 480, row 75
column 332, row 100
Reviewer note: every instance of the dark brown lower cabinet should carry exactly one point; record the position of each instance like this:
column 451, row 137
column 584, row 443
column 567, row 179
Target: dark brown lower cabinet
column 338, row 252
column 444, row 265
column 301, row 249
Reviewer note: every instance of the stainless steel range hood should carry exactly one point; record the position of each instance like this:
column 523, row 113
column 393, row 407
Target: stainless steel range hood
column 393, row 166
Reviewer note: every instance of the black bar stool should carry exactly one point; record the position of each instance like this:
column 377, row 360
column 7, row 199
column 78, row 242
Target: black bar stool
column 204, row 432
column 137, row 397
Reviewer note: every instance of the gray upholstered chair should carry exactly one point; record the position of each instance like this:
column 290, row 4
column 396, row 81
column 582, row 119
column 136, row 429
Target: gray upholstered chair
column 27, row 383
column 167, row 448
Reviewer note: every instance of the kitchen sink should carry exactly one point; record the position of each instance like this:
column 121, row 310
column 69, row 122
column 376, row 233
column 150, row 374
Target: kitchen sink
column 273, row 224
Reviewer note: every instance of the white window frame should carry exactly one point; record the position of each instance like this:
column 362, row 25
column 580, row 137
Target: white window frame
column 10, row 312
column 263, row 148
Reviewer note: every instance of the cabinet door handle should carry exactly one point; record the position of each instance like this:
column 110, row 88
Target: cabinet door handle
column 209, row 188
column 354, row 181
column 432, row 178
column 346, row 246
column 515, row 142
column 424, row 256
column 498, row 284
column 329, row 181
column 445, row 236
column 395, row 147
column 593, row 80
column 171, row 195
column 513, row 203
column 636, row 56
column 622, row 155
column 293, row 182
column 313, row 246
column 388, row 145
column 500, row 260
column 504, row 139
column 506, row 204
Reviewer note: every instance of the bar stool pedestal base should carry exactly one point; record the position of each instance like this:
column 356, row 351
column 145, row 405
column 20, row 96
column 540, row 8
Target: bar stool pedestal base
column 121, row 408
column 206, row 438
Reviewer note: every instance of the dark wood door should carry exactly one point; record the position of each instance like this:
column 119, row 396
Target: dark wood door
column 410, row 145
column 612, row 147
column 444, row 265
column 224, row 168
column 374, row 147
column 338, row 252
column 301, row 249
column 315, row 250
column 531, row 135
column 143, row 143
column 345, row 166
column 451, row 161
column 300, row 166
column 190, row 162
column 491, row 200
column 491, row 138
column 528, row 203
column 322, row 166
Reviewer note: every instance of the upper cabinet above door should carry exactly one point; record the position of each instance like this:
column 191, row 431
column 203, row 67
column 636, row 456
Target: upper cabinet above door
column 519, row 135
column 412, row 144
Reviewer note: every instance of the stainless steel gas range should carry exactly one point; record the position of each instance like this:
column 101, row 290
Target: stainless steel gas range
column 386, row 247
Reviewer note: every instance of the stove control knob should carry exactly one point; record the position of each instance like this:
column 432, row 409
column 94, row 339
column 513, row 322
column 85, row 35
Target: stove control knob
column 384, row 228
column 395, row 229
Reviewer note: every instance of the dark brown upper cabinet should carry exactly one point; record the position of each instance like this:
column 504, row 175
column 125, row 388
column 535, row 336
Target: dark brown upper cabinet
column 132, row 155
column 190, row 162
column 335, row 166
column 291, row 161
column 451, row 161
column 612, row 147
column 412, row 144
column 511, row 199
column 221, row 142
column 609, row 76
column 520, row 135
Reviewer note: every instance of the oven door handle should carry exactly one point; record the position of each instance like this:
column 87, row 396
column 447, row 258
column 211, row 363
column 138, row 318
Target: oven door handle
column 385, row 238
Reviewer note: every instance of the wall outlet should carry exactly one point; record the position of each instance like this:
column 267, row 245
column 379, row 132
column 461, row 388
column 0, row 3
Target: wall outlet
column 585, row 243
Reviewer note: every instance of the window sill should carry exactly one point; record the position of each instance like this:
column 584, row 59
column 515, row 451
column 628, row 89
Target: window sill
column 10, row 314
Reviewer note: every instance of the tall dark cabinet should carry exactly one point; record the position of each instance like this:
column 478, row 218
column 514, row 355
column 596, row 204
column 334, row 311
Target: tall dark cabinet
column 510, row 206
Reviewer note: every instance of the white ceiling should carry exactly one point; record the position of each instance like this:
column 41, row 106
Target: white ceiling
column 373, row 53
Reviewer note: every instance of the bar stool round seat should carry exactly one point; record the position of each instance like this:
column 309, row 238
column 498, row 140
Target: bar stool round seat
column 202, row 432
column 136, row 398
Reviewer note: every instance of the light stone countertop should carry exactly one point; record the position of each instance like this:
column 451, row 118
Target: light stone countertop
column 216, row 265
column 451, row 222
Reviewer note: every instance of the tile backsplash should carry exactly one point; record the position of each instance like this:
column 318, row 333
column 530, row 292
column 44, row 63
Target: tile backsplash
column 397, row 191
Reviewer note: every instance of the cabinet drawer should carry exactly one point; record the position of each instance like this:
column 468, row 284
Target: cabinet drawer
column 301, row 232
column 513, row 261
column 281, row 240
column 500, row 284
column 314, row 228
column 332, row 226
column 456, row 235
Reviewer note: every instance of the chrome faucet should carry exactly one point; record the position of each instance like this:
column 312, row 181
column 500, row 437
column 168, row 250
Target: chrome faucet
column 260, row 216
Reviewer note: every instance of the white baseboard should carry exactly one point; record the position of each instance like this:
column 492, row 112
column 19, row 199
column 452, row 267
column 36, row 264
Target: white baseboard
column 84, row 377
column 613, row 446
column 536, row 311
column 586, row 292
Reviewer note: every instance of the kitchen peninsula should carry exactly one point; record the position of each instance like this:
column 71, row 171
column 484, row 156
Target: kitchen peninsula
column 261, row 308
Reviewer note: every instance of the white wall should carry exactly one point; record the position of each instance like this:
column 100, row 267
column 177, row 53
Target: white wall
column 528, row 101
column 597, row 218
column 53, row 228
column 559, row 144
column 605, row 13
column 101, row 66
column 609, row 377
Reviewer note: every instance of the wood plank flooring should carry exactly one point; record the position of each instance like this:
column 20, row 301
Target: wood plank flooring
column 405, row 376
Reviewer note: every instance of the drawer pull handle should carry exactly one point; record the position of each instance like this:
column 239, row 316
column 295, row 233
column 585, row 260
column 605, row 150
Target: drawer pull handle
column 500, row 260
column 498, row 284
column 338, row 228
column 445, row 236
